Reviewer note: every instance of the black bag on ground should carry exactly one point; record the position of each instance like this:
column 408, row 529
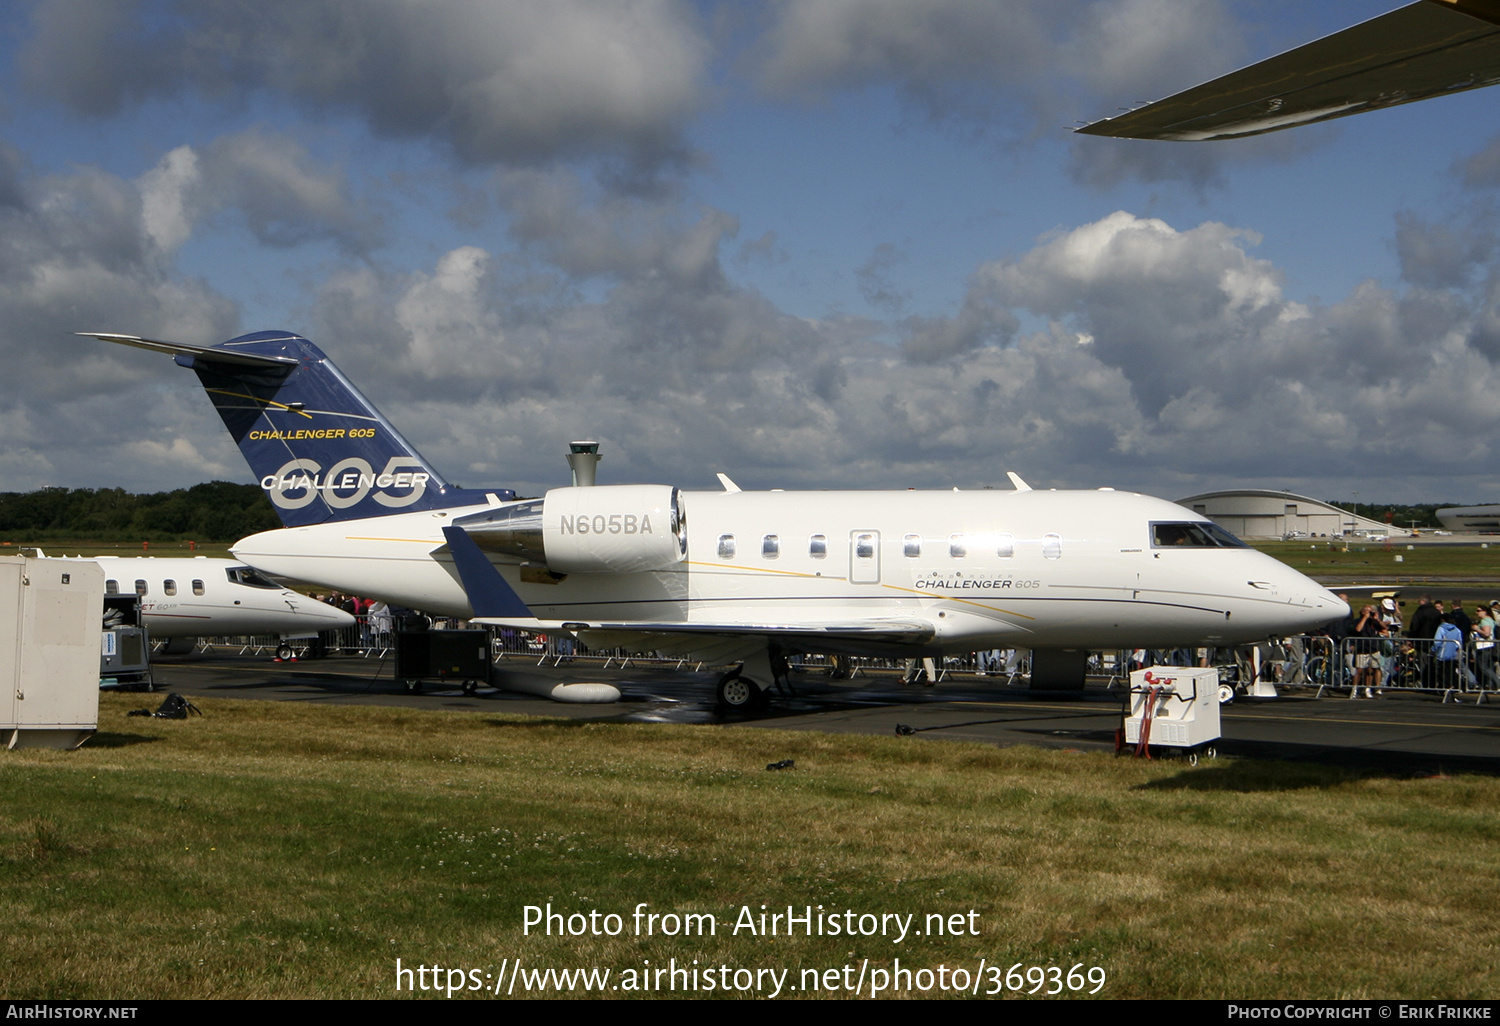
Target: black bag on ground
column 176, row 708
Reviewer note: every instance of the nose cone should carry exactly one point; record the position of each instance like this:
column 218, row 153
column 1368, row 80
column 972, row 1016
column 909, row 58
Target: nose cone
column 326, row 617
column 1322, row 606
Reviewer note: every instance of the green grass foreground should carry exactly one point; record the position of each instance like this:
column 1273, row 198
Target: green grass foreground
column 272, row 849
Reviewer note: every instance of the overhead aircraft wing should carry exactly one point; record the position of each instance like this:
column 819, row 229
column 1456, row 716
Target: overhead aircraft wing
column 208, row 354
column 495, row 601
column 1424, row 49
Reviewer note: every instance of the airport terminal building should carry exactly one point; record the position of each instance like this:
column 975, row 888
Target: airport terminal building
column 1255, row 513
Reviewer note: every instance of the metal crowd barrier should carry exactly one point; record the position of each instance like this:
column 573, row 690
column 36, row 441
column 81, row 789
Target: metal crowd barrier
column 1403, row 664
column 1399, row 664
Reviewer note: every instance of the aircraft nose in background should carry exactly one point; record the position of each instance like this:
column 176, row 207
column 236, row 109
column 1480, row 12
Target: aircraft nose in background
column 331, row 617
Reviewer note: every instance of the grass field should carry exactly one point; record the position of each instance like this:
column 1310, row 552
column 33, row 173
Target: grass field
column 1374, row 561
column 275, row 849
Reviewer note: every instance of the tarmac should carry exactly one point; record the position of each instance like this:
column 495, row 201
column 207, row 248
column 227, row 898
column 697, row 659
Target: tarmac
column 1401, row 734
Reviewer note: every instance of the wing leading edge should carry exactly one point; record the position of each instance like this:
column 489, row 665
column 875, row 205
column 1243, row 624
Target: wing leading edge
column 1428, row 48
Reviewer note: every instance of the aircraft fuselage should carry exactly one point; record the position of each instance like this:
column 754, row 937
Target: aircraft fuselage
column 1030, row 569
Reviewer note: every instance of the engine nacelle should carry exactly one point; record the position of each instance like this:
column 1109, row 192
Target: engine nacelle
column 618, row 529
column 604, row 529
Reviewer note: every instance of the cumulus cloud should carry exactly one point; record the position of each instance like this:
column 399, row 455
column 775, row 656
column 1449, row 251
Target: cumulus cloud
column 1445, row 253
column 517, row 82
column 85, row 251
column 267, row 181
column 1024, row 67
column 935, row 51
column 1170, row 358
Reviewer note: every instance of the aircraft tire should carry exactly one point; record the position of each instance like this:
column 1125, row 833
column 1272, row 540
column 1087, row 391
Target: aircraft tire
column 736, row 692
column 413, row 687
column 284, row 652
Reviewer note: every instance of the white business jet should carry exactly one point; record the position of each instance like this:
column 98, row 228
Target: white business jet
column 730, row 577
column 186, row 599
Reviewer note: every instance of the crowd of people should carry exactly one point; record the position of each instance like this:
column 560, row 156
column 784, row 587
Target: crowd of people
column 1442, row 646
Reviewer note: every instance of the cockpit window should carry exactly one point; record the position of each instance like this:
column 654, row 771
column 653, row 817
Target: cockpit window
column 1193, row 535
column 250, row 578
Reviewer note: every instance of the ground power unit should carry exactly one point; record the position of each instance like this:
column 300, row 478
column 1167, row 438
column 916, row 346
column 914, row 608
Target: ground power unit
column 1173, row 707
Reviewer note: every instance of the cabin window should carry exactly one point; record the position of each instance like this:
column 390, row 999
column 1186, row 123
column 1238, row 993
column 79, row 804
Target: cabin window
column 111, row 587
column 1052, row 546
column 1192, row 534
column 1005, row 546
column 726, row 546
column 911, row 546
column 170, row 587
column 958, row 546
column 197, row 587
column 817, row 546
column 864, row 546
column 140, row 588
column 770, row 546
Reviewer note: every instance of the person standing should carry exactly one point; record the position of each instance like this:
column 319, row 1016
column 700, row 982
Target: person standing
column 1424, row 624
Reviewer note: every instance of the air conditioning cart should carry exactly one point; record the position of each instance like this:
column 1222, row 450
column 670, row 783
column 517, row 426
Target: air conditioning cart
column 1173, row 707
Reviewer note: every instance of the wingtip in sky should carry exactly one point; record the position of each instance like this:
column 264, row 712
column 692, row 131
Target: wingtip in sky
column 1425, row 49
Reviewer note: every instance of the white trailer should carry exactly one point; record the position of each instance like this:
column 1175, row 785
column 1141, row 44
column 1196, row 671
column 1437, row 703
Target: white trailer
column 50, row 618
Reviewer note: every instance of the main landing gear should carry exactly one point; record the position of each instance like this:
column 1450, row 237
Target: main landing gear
column 737, row 692
column 749, row 684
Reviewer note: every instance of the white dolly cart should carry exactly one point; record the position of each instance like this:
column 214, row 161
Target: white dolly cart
column 1173, row 707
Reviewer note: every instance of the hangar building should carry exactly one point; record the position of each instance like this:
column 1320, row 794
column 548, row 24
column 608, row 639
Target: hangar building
column 1261, row 513
column 1471, row 519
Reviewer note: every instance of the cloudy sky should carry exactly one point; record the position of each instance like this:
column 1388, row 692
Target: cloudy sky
column 812, row 243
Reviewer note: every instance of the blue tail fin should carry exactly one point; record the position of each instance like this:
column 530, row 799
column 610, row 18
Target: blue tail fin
column 320, row 449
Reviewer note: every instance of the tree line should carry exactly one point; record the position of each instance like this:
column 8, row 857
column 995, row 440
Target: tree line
column 212, row 512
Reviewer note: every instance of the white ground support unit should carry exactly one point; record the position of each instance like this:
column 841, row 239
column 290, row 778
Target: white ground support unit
column 49, row 651
column 1174, row 707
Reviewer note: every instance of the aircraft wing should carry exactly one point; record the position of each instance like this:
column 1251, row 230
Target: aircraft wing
column 1424, row 49
column 493, row 600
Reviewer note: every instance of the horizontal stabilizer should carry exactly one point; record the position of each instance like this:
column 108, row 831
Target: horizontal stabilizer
column 208, row 354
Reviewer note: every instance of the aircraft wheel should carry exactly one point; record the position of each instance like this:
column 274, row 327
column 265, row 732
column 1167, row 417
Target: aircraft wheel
column 413, row 687
column 737, row 692
column 1226, row 693
column 284, row 652
column 471, row 686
